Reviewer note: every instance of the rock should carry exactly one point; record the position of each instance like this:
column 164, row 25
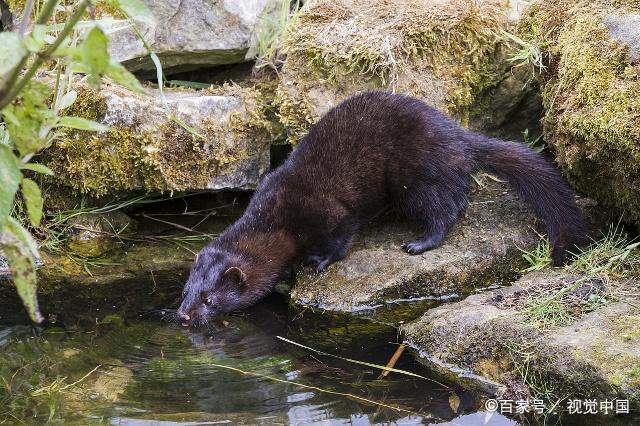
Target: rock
column 92, row 235
column 6, row 17
column 5, row 271
column 487, row 338
column 216, row 141
column 448, row 53
column 482, row 249
column 591, row 95
column 111, row 383
column 187, row 34
column 626, row 29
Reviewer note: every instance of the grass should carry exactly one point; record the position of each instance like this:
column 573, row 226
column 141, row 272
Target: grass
column 58, row 226
column 539, row 258
column 612, row 256
column 536, row 144
column 271, row 33
column 527, row 53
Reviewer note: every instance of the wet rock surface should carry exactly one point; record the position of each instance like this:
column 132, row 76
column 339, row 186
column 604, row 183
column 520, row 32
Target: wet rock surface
column 481, row 250
column 483, row 340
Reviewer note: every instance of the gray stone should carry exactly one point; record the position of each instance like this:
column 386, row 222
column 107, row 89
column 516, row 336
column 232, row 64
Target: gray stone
column 627, row 30
column 188, row 34
column 5, row 272
column 196, row 141
column 480, row 250
column 596, row 356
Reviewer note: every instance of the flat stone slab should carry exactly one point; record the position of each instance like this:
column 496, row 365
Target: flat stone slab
column 186, row 34
column 484, row 340
column 481, row 249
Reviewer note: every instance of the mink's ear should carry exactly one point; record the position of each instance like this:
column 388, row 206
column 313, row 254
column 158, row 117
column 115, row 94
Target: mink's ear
column 236, row 274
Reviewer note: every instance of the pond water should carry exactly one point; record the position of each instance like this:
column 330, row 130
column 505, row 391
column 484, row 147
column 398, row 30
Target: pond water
column 236, row 371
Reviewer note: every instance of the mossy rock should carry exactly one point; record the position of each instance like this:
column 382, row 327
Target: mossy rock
column 197, row 141
column 449, row 53
column 591, row 94
column 596, row 356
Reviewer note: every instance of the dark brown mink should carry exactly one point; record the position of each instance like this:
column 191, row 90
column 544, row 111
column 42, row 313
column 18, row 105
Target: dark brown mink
column 373, row 150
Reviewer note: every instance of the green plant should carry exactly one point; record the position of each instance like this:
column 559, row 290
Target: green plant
column 528, row 53
column 536, row 144
column 614, row 255
column 271, row 32
column 31, row 112
column 538, row 258
column 611, row 256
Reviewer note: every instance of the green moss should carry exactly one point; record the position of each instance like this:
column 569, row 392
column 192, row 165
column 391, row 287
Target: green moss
column 260, row 120
column 591, row 93
column 294, row 114
column 98, row 164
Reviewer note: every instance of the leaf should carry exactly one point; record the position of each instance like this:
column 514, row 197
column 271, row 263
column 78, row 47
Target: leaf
column 33, row 199
column 11, row 51
column 68, row 99
column 122, row 76
column 95, row 54
column 10, row 177
column 38, row 168
column 36, row 40
column 454, row 402
column 81, row 124
column 156, row 62
column 27, row 116
column 135, row 9
column 21, row 252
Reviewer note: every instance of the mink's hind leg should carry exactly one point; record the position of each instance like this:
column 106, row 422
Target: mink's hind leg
column 436, row 206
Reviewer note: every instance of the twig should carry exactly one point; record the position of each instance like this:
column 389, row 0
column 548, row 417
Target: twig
column 177, row 225
column 26, row 15
column 393, row 360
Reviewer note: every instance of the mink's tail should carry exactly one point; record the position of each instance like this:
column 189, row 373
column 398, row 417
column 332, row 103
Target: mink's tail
column 540, row 184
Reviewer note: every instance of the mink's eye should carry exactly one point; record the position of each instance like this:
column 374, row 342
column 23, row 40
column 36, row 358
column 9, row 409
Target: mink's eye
column 208, row 301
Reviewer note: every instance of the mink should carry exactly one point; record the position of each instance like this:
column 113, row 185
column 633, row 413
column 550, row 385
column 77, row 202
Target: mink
column 373, row 150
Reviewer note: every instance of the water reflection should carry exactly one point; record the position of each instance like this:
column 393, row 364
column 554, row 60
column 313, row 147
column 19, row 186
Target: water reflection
column 234, row 372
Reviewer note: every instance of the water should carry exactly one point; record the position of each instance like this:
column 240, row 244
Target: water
column 236, row 371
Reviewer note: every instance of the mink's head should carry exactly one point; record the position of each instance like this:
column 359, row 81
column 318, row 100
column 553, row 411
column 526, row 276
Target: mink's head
column 216, row 284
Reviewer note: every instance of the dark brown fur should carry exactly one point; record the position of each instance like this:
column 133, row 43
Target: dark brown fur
column 372, row 150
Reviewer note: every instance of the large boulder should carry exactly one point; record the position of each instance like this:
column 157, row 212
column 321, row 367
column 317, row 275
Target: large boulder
column 197, row 140
column 498, row 341
column 187, row 34
column 481, row 250
column 591, row 93
column 449, row 53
